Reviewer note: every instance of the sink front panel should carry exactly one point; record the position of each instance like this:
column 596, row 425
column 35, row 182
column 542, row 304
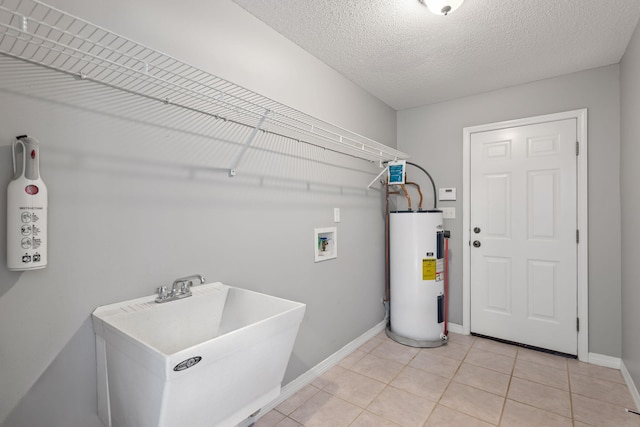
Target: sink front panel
column 238, row 343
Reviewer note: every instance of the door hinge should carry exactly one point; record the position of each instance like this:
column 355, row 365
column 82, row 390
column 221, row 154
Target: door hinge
column 577, row 236
column 578, row 324
column 577, row 148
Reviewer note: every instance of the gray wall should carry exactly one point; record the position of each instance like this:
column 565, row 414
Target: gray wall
column 139, row 194
column 433, row 136
column 630, row 178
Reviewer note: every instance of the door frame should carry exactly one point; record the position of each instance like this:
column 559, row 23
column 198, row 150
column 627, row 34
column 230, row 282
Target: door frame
column 582, row 219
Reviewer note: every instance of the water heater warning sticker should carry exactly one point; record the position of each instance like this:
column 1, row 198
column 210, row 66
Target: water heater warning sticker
column 429, row 269
column 440, row 270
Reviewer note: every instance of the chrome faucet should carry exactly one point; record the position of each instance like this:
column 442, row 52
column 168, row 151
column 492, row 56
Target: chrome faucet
column 181, row 288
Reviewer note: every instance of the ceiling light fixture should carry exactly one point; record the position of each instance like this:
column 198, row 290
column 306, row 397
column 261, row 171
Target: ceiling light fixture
column 442, row 7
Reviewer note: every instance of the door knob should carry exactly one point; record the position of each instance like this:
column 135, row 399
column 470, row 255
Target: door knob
column 476, row 230
column 476, row 243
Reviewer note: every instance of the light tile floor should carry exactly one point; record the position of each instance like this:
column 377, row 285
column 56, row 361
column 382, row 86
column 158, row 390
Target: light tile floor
column 467, row 383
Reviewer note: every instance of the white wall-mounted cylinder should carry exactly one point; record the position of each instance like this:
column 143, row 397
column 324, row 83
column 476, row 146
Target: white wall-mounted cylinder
column 417, row 274
column 27, row 204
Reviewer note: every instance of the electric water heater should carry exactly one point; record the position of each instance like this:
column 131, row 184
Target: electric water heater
column 416, row 246
column 26, row 209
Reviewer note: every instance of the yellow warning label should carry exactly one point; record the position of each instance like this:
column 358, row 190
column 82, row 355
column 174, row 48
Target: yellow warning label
column 429, row 269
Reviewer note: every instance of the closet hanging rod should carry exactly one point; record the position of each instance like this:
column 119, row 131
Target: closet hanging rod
column 37, row 33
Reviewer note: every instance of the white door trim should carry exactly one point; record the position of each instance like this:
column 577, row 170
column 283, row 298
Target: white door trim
column 582, row 220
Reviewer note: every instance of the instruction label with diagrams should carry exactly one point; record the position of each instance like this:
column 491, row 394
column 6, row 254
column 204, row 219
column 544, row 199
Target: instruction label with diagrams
column 30, row 230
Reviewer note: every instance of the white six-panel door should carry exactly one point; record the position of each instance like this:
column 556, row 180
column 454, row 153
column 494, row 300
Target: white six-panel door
column 523, row 222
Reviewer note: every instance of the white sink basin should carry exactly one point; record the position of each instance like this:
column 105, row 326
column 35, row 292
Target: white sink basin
column 208, row 360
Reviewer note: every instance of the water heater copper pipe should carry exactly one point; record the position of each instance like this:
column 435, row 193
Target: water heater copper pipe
column 387, row 260
column 406, row 195
column 419, row 192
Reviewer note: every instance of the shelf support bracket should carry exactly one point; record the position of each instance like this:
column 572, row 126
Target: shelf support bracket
column 377, row 177
column 248, row 141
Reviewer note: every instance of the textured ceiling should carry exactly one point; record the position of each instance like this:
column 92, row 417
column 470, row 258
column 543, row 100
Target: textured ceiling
column 407, row 56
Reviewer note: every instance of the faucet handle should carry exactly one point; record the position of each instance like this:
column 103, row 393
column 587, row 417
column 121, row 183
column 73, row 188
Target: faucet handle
column 184, row 286
column 162, row 293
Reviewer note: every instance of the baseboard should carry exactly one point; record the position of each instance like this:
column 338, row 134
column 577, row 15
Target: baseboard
column 632, row 386
column 604, row 360
column 455, row 328
column 308, row 377
column 617, row 363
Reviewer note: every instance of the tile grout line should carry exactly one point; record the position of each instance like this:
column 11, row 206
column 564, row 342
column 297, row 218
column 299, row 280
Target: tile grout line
column 378, row 394
column 542, row 384
column 453, row 376
column 390, row 381
column 404, row 366
column 375, row 379
column 511, row 376
column 446, row 388
column 451, row 381
column 506, row 393
column 518, row 356
column 598, row 398
column 573, row 415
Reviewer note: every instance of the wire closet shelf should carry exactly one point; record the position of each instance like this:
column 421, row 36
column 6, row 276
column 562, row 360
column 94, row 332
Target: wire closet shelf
column 37, row 33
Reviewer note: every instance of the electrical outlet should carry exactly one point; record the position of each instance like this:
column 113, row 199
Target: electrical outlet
column 336, row 214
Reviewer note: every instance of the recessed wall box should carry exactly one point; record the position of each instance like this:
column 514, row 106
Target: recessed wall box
column 325, row 241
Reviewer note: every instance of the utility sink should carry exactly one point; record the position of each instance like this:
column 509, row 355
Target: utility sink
column 212, row 359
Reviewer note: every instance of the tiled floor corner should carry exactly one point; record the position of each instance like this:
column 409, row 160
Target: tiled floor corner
column 467, row 383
